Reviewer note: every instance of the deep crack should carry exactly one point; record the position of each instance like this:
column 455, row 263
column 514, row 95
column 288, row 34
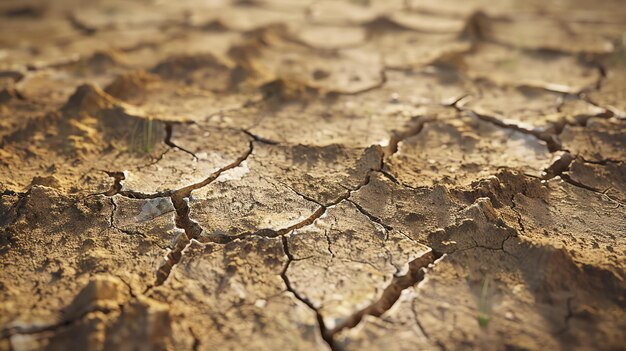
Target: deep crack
column 326, row 334
column 392, row 292
column 191, row 229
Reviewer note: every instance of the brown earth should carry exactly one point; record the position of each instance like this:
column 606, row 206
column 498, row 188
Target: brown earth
column 313, row 175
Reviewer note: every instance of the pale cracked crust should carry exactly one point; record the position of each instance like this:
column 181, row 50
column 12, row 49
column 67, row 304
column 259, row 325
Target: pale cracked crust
column 312, row 175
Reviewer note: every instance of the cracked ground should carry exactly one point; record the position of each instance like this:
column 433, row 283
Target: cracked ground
column 313, row 175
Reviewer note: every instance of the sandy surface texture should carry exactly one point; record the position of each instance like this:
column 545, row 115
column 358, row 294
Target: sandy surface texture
column 312, row 175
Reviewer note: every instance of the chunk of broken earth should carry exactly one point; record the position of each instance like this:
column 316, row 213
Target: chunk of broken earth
column 103, row 314
column 478, row 225
column 90, row 131
column 205, row 71
column 335, row 268
column 611, row 93
column 79, row 239
column 244, row 19
column 34, row 33
column 609, row 178
column 341, row 13
column 100, row 294
column 120, row 14
column 464, row 150
column 311, row 178
column 347, row 71
column 599, row 141
column 429, row 23
column 564, row 217
column 559, row 298
column 248, row 204
column 188, row 162
column 150, row 218
column 414, row 212
column 411, row 50
column 330, row 37
column 222, row 292
column 531, row 34
column 464, row 9
column 431, row 85
column 54, row 85
column 354, row 123
column 551, row 71
column 530, row 109
column 320, row 174
column 171, row 101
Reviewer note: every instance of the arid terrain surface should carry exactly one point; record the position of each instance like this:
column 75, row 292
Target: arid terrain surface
column 313, row 175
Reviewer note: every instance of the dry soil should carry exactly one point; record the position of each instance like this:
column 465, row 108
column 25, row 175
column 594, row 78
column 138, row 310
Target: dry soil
column 313, row 175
